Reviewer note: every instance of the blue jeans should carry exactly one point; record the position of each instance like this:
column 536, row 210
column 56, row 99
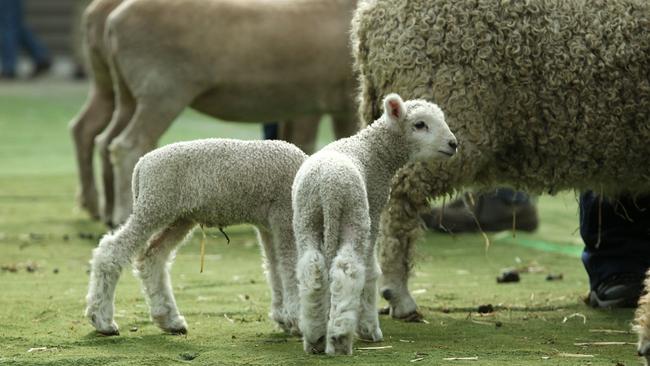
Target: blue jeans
column 270, row 129
column 624, row 236
column 13, row 34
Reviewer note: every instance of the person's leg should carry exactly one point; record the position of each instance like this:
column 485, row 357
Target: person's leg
column 616, row 234
column 270, row 130
column 9, row 29
column 501, row 209
column 34, row 47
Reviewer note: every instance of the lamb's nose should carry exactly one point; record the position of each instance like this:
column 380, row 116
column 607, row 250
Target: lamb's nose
column 453, row 144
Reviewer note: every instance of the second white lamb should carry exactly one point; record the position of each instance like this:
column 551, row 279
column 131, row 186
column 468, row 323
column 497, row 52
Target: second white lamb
column 337, row 196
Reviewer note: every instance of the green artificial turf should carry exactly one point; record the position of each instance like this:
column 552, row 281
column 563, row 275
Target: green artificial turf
column 45, row 245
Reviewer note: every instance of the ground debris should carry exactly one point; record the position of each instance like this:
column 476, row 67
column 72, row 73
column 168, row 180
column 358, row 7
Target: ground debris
column 575, row 315
column 554, row 277
column 375, row 348
column 618, row 331
column 508, row 276
column 604, row 344
column 574, row 355
column 41, row 349
column 188, row 356
column 485, row 309
column 13, row 268
column 474, row 358
column 419, row 356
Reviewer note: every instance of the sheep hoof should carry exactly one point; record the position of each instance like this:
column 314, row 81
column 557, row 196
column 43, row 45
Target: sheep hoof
column 178, row 331
column 315, row 347
column 339, row 344
column 412, row 317
column 105, row 328
column 384, row 311
column 375, row 335
column 644, row 349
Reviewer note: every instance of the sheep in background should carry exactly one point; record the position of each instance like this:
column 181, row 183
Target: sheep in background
column 213, row 182
column 253, row 60
column 338, row 195
column 544, row 95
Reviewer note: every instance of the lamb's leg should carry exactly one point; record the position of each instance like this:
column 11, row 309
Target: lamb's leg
column 313, row 281
column 153, row 267
column 401, row 227
column 286, row 258
column 272, row 276
column 92, row 120
column 368, row 328
column 347, row 278
column 301, row 132
column 111, row 255
column 151, row 119
column 124, row 109
column 642, row 322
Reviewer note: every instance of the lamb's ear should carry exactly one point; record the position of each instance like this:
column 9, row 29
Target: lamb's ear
column 394, row 107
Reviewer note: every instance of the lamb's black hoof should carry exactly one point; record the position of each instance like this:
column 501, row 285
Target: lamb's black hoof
column 179, row 331
column 412, row 317
column 384, row 310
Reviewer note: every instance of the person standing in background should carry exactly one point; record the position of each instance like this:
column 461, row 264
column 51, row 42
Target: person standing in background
column 79, row 58
column 14, row 34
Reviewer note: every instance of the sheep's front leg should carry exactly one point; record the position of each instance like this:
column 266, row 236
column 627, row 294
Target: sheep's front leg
column 152, row 267
column 368, row 328
column 265, row 238
column 642, row 322
column 111, row 255
column 347, row 278
column 285, row 247
column 401, row 227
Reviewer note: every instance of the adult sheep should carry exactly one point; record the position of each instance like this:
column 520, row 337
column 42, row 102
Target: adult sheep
column 543, row 95
column 252, row 60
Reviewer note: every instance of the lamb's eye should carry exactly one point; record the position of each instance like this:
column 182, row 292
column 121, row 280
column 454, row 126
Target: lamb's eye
column 420, row 125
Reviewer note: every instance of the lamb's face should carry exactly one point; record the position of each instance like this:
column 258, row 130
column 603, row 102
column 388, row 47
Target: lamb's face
column 424, row 127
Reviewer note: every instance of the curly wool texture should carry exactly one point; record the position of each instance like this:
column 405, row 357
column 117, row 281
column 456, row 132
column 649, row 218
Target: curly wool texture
column 543, row 95
column 213, row 182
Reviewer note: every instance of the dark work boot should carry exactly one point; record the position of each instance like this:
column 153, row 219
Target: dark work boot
column 494, row 212
column 617, row 291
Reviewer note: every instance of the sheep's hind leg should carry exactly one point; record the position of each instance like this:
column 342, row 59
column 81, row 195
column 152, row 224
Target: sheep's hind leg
column 314, row 299
column 92, row 120
column 368, row 328
column 153, row 267
column 642, row 322
column 272, row 276
column 111, row 255
column 347, row 277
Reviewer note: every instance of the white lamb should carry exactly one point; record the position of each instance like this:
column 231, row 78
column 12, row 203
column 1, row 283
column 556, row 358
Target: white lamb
column 213, row 182
column 337, row 196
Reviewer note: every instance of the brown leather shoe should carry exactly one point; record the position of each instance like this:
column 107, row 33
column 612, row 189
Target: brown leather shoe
column 492, row 213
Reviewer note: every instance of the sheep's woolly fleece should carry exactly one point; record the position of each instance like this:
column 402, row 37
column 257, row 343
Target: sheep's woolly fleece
column 543, row 95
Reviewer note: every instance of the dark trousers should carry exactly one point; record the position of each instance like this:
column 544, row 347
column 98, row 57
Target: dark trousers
column 13, row 34
column 624, row 236
column 270, row 130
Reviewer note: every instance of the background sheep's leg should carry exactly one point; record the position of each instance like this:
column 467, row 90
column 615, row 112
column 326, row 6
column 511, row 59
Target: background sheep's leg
column 347, row 277
column 111, row 255
column 286, row 257
column 272, row 276
column 368, row 328
column 401, row 227
column 124, row 108
column 301, row 132
column 642, row 321
column 92, row 120
column 151, row 119
column 314, row 297
column 153, row 267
